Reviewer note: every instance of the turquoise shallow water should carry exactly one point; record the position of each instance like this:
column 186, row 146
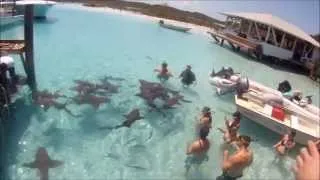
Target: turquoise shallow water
column 77, row 44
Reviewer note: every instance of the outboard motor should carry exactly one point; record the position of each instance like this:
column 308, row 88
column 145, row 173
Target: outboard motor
column 309, row 99
column 242, row 86
column 284, row 86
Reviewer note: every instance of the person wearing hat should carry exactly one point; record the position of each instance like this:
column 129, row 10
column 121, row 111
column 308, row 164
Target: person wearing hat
column 187, row 76
column 206, row 118
column 163, row 72
column 234, row 165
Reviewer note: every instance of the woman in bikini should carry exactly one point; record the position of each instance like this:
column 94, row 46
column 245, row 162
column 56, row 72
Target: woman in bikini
column 286, row 143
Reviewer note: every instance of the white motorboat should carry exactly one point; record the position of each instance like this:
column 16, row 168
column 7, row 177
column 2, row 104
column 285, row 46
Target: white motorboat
column 11, row 12
column 278, row 120
column 224, row 85
column 41, row 7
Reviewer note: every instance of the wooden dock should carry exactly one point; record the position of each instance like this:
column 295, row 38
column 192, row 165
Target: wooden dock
column 237, row 42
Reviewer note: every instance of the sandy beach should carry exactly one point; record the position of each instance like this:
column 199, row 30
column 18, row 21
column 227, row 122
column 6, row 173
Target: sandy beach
column 195, row 29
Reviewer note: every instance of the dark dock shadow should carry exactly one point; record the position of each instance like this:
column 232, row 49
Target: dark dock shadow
column 10, row 26
column 19, row 121
column 48, row 20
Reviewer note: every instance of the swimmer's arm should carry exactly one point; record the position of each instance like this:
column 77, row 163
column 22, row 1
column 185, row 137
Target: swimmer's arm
column 226, row 164
column 190, row 148
column 180, row 76
column 278, row 144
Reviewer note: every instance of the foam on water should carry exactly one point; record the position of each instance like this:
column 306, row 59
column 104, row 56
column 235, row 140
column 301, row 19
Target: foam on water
column 78, row 44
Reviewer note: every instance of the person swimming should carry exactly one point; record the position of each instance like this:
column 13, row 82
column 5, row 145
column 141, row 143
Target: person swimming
column 233, row 166
column 187, row 76
column 230, row 135
column 164, row 73
column 205, row 119
column 236, row 121
column 197, row 151
column 286, row 143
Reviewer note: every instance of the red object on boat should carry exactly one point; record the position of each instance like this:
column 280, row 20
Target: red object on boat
column 278, row 113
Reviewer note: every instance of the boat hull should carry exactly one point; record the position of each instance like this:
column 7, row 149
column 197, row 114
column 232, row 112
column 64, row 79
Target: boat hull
column 176, row 28
column 308, row 111
column 40, row 8
column 279, row 128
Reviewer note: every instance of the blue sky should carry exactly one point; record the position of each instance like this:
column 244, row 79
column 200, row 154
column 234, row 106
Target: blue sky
column 303, row 13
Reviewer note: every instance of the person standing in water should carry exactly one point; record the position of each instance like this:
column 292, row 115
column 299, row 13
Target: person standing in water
column 286, row 143
column 205, row 119
column 201, row 145
column 235, row 124
column 163, row 72
column 187, row 77
column 197, row 151
column 233, row 165
column 230, row 135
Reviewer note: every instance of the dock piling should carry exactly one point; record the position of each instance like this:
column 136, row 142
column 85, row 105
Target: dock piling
column 29, row 48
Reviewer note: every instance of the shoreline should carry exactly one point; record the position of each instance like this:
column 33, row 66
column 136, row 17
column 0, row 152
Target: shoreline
column 195, row 29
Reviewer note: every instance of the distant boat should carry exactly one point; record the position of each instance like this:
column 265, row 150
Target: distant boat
column 173, row 27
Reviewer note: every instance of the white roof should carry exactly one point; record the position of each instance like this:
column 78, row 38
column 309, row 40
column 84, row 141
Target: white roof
column 35, row 2
column 278, row 23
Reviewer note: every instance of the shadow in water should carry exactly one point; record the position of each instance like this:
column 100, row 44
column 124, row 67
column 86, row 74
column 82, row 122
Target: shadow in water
column 188, row 91
column 89, row 123
column 20, row 118
column 279, row 162
column 258, row 133
column 168, row 124
column 48, row 20
column 11, row 26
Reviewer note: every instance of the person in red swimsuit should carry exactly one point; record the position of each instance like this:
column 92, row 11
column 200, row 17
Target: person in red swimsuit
column 163, row 72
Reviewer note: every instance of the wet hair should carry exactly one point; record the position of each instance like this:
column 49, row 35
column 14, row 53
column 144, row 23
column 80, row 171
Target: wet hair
column 205, row 109
column 204, row 131
column 188, row 67
column 245, row 140
column 293, row 133
column 236, row 114
column 164, row 64
column 318, row 146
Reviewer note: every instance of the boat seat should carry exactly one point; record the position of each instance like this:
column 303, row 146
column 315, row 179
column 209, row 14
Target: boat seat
column 267, row 109
column 294, row 122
